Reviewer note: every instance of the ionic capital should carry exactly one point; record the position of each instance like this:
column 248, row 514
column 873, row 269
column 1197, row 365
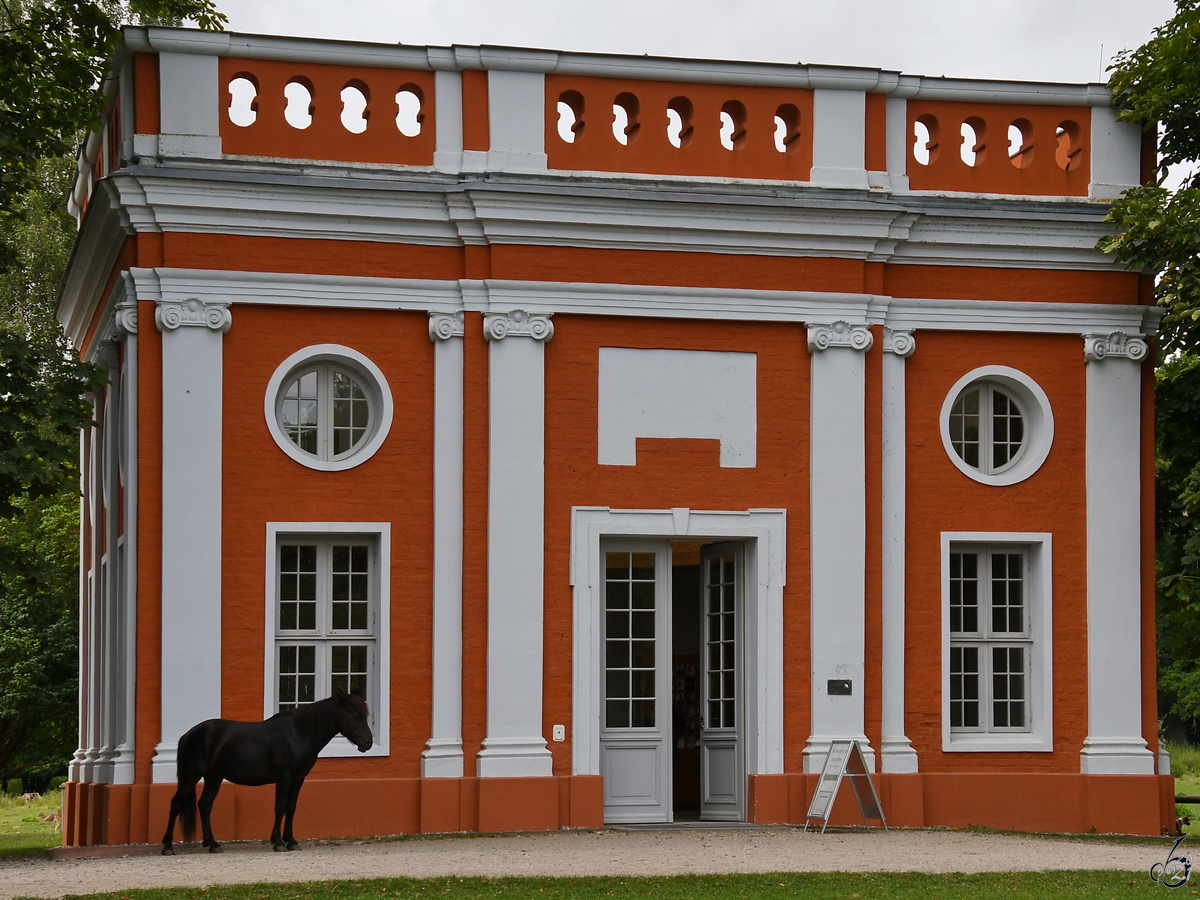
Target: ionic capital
column 443, row 326
column 518, row 323
column 193, row 312
column 1117, row 345
column 839, row 334
column 902, row 343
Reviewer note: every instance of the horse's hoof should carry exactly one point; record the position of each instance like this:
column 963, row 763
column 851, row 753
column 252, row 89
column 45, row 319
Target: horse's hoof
column 214, row 847
column 294, row 845
column 168, row 851
column 279, row 848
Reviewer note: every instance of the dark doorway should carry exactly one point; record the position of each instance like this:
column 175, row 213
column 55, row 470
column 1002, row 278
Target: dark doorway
column 685, row 674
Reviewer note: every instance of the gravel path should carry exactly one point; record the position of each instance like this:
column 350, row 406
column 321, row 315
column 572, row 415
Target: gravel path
column 779, row 849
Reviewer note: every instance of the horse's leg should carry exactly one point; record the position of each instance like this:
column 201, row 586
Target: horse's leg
column 293, row 796
column 282, row 789
column 183, row 794
column 212, row 784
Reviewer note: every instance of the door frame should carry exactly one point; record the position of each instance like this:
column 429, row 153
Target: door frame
column 764, row 534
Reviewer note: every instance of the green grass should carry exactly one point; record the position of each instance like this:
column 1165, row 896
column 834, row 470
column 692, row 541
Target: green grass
column 22, row 832
column 771, row 886
column 1185, row 766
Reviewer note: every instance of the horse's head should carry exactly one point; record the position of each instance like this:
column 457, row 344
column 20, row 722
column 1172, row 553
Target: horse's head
column 352, row 719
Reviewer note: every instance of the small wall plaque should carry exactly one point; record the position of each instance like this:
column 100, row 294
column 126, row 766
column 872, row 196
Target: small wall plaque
column 840, row 687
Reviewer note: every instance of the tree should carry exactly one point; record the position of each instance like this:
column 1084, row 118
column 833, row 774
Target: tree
column 53, row 55
column 1157, row 229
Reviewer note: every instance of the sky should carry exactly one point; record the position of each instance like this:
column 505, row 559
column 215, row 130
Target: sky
column 1025, row 40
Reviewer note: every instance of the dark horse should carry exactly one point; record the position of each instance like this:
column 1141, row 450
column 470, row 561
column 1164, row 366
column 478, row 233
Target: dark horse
column 282, row 750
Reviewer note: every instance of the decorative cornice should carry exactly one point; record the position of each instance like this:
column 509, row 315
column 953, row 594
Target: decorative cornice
column 1122, row 346
column 172, row 314
column 517, row 323
column 444, row 326
column 839, row 334
column 125, row 318
column 902, row 343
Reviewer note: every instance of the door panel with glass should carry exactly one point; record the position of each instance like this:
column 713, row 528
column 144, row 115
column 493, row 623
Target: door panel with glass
column 721, row 773
column 635, row 732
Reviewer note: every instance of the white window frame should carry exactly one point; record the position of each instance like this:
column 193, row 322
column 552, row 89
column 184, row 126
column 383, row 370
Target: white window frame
column 369, row 377
column 1039, row 737
column 1038, row 418
column 380, row 534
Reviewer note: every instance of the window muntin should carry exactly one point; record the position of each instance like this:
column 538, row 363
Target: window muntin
column 326, row 620
column 630, row 666
column 987, row 428
column 990, row 640
column 325, row 411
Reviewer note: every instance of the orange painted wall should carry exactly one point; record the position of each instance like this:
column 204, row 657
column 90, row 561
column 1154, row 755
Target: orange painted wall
column 148, row 711
column 325, row 137
column 669, row 478
column 262, row 484
column 994, row 172
column 940, row 498
column 649, row 149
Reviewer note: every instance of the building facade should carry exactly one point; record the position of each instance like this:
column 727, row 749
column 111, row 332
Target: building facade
column 624, row 430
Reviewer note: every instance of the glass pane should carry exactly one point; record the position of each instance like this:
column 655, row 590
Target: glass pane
column 616, row 565
column 616, row 714
column 964, row 427
column 643, row 654
column 617, row 654
column 616, row 595
column 643, row 566
column 616, row 685
column 643, row 624
column 643, row 595
column 643, row 713
column 617, row 625
column 643, row 683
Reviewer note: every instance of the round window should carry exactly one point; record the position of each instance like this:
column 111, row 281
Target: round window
column 328, row 407
column 997, row 425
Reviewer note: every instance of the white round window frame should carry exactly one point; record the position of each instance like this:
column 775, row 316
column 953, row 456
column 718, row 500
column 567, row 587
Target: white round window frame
column 1039, row 423
column 373, row 381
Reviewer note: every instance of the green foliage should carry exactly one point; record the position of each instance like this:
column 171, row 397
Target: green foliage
column 1157, row 230
column 56, row 783
column 53, row 55
column 13, row 787
column 39, row 634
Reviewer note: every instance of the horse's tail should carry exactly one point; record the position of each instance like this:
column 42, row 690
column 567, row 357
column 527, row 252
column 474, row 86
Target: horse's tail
column 187, row 766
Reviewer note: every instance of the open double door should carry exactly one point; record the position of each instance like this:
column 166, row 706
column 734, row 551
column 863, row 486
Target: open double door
column 671, row 730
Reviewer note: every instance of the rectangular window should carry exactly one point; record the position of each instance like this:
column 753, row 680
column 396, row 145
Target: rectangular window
column 327, row 620
column 997, row 647
column 630, row 614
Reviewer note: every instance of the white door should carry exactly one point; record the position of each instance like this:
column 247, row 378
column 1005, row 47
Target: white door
column 636, row 728
column 722, row 776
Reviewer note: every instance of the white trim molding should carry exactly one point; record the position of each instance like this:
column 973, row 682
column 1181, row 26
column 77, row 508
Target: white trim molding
column 764, row 532
column 374, row 383
column 381, row 534
column 1040, row 737
column 896, row 753
column 838, row 510
column 1115, row 744
column 515, row 745
column 443, row 754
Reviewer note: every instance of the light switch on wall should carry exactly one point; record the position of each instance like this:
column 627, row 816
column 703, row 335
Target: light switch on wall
column 559, row 732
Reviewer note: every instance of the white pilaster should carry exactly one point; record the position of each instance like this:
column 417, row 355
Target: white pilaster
column 514, row 745
column 447, row 156
column 1114, row 745
column 838, row 541
column 192, row 336
column 443, row 756
column 895, row 751
column 1116, row 151
column 897, row 143
column 517, row 121
column 190, row 92
column 839, row 138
